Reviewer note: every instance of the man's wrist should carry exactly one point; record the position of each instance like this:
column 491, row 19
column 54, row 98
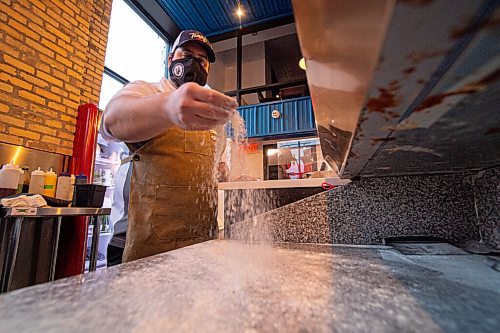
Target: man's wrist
column 165, row 108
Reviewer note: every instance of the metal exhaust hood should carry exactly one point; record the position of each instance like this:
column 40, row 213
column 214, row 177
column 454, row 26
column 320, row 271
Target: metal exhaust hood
column 403, row 87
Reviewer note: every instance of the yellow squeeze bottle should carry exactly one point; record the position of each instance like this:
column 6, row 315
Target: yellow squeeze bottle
column 50, row 181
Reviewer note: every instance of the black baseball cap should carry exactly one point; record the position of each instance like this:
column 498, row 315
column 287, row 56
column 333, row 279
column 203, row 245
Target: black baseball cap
column 194, row 36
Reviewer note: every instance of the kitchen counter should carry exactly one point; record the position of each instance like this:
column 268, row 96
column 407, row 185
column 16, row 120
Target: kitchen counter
column 234, row 198
column 282, row 183
column 228, row 286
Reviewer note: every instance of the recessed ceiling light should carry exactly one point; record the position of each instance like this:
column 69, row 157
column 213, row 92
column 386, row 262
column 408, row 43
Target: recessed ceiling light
column 302, row 63
column 239, row 12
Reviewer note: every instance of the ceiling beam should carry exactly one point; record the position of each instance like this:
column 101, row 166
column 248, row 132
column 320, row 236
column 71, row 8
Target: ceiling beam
column 156, row 17
column 254, row 28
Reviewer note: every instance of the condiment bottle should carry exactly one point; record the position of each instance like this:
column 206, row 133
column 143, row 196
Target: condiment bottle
column 26, row 182
column 80, row 179
column 73, row 178
column 20, row 181
column 37, row 182
column 64, row 190
column 50, row 181
column 9, row 176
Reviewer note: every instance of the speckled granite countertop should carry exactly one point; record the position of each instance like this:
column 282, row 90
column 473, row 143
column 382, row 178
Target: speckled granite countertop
column 227, row 286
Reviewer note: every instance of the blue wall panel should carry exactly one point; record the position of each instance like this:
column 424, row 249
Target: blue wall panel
column 296, row 118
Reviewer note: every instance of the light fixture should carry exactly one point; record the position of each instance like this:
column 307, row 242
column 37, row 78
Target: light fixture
column 271, row 152
column 302, row 63
column 239, row 12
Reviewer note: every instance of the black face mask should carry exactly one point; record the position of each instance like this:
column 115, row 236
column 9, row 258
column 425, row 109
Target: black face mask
column 187, row 70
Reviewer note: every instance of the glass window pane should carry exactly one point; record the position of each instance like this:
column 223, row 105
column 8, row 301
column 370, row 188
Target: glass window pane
column 135, row 51
column 298, row 159
column 108, row 89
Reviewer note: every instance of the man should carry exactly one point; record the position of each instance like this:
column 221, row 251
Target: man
column 166, row 127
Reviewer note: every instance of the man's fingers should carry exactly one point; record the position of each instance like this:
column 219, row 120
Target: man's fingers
column 210, row 111
column 197, row 123
column 213, row 97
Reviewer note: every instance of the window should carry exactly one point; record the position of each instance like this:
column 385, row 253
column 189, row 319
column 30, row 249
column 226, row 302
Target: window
column 109, row 88
column 295, row 159
column 134, row 51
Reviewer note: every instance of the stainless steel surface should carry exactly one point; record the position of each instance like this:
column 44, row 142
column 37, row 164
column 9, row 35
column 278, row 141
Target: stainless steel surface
column 96, row 231
column 57, row 228
column 31, row 158
column 11, row 254
column 17, row 215
column 431, row 103
column 54, row 211
column 341, row 41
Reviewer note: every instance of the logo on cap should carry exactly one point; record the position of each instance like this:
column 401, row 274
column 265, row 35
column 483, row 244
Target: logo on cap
column 200, row 37
column 178, row 70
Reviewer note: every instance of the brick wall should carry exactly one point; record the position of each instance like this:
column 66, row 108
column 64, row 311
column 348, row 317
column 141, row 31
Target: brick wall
column 51, row 61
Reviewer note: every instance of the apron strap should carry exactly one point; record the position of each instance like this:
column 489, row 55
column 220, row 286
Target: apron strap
column 133, row 157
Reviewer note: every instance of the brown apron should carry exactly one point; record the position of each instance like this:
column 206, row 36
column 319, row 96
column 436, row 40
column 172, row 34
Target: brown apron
column 172, row 193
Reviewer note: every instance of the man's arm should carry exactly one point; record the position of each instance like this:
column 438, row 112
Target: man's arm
column 132, row 118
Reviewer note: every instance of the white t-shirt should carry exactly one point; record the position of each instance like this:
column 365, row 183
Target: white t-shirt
column 119, row 209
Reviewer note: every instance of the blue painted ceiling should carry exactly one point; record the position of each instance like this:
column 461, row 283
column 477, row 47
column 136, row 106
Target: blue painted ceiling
column 215, row 17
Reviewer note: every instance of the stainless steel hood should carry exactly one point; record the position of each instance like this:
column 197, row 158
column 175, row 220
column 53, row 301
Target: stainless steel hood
column 403, row 87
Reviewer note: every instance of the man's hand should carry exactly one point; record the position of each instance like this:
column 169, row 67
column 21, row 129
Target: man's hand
column 194, row 108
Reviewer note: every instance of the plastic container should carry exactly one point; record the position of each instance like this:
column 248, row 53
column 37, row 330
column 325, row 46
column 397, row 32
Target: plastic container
column 89, row 195
column 80, row 179
column 21, row 181
column 64, row 189
column 73, row 180
column 9, row 176
column 50, row 182
column 26, row 179
column 37, row 182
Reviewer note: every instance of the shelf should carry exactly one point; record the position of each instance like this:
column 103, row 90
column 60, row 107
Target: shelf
column 52, row 211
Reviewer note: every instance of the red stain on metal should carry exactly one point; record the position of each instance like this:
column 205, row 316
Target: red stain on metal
column 493, row 77
column 493, row 130
column 438, row 99
column 469, row 89
column 385, row 99
column 383, row 139
column 417, row 57
column 409, row 70
column 417, row 2
column 394, row 84
column 473, row 28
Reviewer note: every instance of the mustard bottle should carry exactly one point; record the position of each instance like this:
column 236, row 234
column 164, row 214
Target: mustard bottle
column 50, row 181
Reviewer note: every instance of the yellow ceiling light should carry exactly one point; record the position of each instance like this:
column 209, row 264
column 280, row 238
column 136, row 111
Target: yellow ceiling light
column 239, row 12
column 302, row 63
